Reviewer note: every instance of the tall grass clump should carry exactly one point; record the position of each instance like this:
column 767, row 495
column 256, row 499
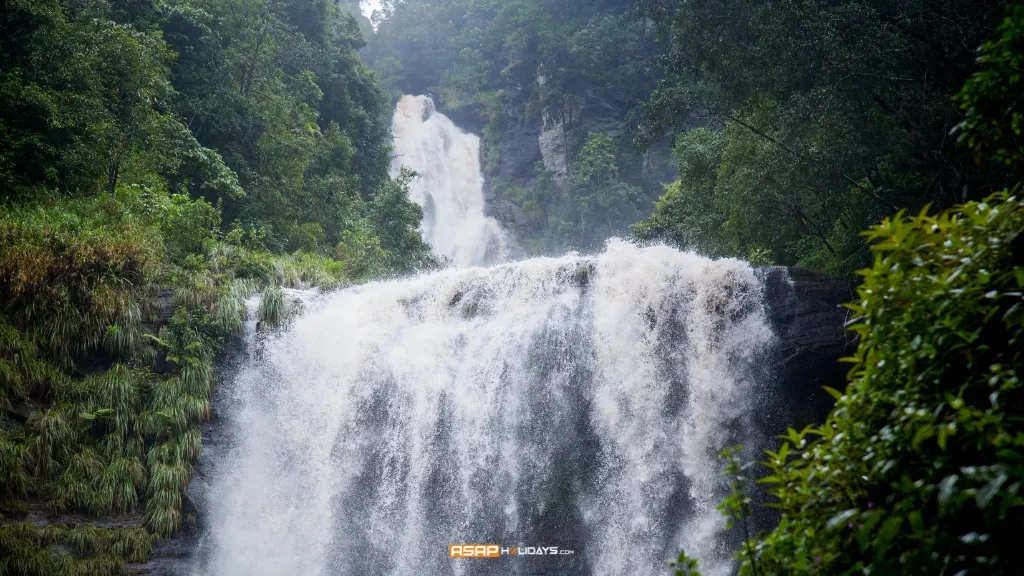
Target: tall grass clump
column 105, row 434
column 71, row 276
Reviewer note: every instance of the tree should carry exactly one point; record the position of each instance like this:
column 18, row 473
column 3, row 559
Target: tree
column 836, row 113
column 918, row 468
column 992, row 97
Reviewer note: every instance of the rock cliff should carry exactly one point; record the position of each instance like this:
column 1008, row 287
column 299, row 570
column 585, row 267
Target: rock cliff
column 806, row 312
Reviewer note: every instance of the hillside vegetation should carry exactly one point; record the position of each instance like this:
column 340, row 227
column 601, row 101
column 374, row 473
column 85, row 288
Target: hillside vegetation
column 794, row 126
column 161, row 163
column 919, row 468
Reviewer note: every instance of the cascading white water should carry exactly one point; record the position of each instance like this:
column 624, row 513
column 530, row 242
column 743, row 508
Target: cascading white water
column 450, row 184
column 572, row 402
column 577, row 402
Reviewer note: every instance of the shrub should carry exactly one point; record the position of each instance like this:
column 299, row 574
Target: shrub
column 360, row 252
column 307, row 237
column 188, row 225
column 919, row 467
column 305, row 270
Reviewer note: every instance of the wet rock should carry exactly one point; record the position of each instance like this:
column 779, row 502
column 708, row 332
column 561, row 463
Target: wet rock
column 806, row 312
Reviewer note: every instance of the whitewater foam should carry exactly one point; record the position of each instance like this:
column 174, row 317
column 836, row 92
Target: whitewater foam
column 576, row 402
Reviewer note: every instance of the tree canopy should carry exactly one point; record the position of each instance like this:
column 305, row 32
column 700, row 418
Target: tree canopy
column 831, row 116
column 261, row 107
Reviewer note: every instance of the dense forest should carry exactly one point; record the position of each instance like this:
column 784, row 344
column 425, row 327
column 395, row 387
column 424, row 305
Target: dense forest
column 160, row 163
column 823, row 117
column 794, row 126
column 164, row 162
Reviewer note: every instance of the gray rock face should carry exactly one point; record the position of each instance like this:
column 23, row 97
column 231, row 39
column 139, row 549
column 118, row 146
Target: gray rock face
column 806, row 308
column 552, row 143
column 807, row 315
column 808, row 319
column 520, row 151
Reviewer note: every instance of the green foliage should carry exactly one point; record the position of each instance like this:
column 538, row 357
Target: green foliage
column 304, row 271
column 188, row 225
column 263, row 111
column 129, row 133
column 84, row 281
column 684, row 565
column 85, row 104
column 394, row 219
column 14, row 478
column 278, row 89
column 359, row 251
column 44, row 292
column 690, row 213
column 29, row 549
column 918, row 469
column 736, row 507
column 992, row 97
column 276, row 308
column 831, row 115
column 23, row 368
column 594, row 204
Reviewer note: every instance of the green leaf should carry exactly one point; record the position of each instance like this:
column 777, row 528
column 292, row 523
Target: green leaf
column 889, row 530
column 916, row 523
column 841, row 519
column 833, row 392
column 990, row 489
column 922, row 434
column 946, row 488
column 869, row 520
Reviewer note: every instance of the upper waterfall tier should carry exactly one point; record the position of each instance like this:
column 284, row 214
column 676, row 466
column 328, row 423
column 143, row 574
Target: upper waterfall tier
column 450, row 184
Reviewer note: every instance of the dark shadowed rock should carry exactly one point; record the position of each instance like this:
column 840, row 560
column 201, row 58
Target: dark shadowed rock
column 806, row 311
column 806, row 314
column 162, row 304
column 519, row 152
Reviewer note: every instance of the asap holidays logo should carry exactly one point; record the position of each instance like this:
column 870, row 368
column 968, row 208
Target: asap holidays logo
column 498, row 551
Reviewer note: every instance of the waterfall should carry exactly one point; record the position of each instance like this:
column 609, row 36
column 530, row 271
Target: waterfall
column 449, row 186
column 576, row 403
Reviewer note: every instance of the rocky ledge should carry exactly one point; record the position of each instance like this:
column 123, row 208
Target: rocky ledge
column 807, row 314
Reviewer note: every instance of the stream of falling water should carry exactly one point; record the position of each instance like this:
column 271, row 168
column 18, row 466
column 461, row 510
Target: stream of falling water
column 574, row 402
column 450, row 185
